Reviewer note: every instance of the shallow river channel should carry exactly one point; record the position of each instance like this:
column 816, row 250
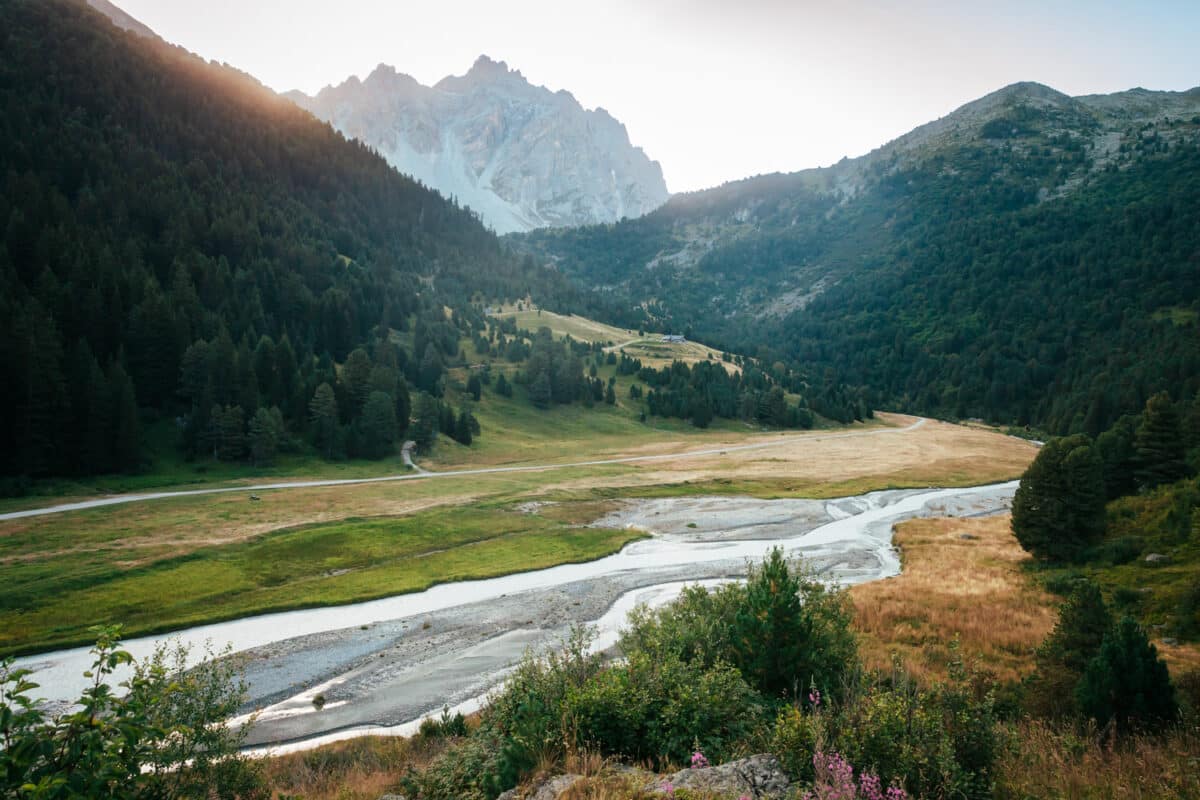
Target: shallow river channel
column 383, row 665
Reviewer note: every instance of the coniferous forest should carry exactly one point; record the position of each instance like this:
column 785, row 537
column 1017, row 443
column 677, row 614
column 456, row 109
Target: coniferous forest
column 179, row 242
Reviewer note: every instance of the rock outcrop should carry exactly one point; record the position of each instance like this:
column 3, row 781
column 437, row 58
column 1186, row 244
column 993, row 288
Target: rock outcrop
column 760, row 777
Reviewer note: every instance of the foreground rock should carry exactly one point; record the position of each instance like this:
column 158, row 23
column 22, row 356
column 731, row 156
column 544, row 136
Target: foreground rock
column 758, row 777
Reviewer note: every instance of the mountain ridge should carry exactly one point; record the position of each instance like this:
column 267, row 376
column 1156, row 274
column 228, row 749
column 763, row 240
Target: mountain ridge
column 811, row 267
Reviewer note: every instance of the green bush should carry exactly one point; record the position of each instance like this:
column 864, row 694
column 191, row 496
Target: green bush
column 939, row 742
column 662, row 709
column 164, row 737
column 783, row 630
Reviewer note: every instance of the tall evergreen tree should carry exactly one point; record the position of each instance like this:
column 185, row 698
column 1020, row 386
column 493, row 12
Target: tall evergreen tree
column 1059, row 507
column 127, row 433
column 424, row 429
column 1160, row 445
column 540, row 393
column 1083, row 622
column 264, row 435
column 377, row 428
column 1126, row 683
column 323, row 414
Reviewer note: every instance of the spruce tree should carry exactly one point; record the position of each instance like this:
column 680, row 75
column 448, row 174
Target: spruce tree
column 127, row 429
column 462, row 428
column 1083, row 622
column 1126, row 683
column 475, row 387
column 540, row 392
column 355, row 377
column 424, row 429
column 264, row 435
column 377, row 427
column 229, row 432
column 403, row 406
column 790, row 633
column 1161, row 448
column 323, row 414
column 1059, row 506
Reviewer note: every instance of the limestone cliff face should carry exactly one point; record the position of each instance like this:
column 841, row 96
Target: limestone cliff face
column 521, row 156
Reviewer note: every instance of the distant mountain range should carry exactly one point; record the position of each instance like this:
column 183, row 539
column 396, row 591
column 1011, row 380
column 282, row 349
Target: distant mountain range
column 1031, row 257
column 519, row 155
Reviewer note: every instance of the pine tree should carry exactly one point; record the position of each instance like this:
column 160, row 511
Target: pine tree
column 403, row 406
column 462, row 428
column 264, row 435
column 1160, row 445
column 790, row 634
column 1083, row 622
column 540, row 392
column 323, row 414
column 475, row 387
column 229, row 432
column 355, row 377
column 1059, row 506
column 1126, row 683
column 127, row 432
column 32, row 356
column 424, row 429
column 1119, row 456
column 503, row 387
column 377, row 427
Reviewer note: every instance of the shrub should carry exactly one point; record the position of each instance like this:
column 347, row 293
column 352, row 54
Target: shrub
column 165, row 737
column 663, row 709
column 783, row 630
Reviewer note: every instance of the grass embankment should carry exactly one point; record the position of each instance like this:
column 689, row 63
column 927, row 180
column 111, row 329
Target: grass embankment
column 51, row 605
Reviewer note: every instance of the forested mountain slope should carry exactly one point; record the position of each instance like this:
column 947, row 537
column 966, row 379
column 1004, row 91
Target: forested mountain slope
column 153, row 204
column 1030, row 258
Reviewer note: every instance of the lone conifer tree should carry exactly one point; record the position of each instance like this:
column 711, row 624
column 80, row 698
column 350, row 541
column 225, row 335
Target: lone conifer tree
column 1127, row 683
column 1059, row 506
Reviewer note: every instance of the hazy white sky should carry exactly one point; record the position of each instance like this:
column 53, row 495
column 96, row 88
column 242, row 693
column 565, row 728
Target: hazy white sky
column 715, row 90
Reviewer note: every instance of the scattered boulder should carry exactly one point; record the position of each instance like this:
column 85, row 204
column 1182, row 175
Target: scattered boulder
column 548, row 789
column 1157, row 558
column 967, row 537
column 551, row 789
column 393, row 797
column 759, row 776
column 1170, row 641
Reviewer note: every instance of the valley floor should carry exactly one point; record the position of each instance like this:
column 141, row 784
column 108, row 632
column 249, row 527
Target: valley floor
column 218, row 556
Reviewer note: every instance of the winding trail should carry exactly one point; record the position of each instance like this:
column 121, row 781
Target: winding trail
column 421, row 474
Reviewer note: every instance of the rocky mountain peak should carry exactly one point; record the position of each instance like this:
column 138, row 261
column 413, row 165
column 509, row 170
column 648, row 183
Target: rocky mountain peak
column 520, row 155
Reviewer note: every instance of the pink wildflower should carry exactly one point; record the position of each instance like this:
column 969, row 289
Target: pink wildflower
column 698, row 760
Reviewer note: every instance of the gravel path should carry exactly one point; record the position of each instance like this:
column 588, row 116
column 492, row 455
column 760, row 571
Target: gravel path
column 424, row 475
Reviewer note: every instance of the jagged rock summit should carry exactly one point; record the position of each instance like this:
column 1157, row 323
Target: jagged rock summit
column 519, row 155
